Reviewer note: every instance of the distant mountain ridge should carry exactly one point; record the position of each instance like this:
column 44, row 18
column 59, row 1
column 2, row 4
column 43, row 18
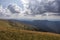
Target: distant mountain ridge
column 45, row 25
column 37, row 25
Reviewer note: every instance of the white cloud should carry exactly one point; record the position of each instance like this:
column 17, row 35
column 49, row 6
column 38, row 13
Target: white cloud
column 14, row 8
column 2, row 11
column 17, row 13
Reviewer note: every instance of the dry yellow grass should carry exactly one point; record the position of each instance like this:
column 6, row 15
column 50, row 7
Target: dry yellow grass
column 16, row 34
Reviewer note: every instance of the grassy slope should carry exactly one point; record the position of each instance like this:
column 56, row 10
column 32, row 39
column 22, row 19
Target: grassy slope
column 11, row 33
column 18, row 25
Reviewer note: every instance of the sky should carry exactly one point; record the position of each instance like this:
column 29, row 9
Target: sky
column 30, row 9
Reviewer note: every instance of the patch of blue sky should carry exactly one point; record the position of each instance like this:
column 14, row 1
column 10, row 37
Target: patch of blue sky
column 5, row 3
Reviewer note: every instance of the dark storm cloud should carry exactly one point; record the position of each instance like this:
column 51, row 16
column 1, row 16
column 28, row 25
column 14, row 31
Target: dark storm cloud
column 37, row 7
column 14, row 8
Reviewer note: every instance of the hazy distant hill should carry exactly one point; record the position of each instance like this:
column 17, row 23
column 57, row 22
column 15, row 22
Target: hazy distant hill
column 45, row 25
column 51, row 26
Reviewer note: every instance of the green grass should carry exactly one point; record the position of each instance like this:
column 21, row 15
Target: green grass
column 9, row 32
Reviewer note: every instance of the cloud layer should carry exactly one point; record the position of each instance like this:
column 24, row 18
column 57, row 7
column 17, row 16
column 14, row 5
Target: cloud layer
column 41, row 6
column 32, row 9
column 14, row 8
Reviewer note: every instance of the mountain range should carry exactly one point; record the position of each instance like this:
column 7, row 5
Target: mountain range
column 45, row 25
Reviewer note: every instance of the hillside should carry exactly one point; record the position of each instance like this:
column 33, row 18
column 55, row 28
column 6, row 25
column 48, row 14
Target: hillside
column 11, row 32
column 45, row 25
column 16, row 34
column 16, row 24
